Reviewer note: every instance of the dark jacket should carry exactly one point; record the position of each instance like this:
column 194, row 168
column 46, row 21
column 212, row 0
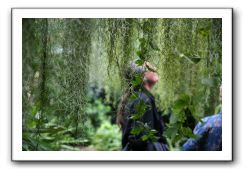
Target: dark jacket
column 151, row 117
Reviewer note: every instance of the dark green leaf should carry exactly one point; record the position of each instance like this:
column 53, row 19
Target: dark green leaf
column 139, row 62
column 137, row 81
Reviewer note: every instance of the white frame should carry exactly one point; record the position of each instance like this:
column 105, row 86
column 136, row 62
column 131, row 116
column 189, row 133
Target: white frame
column 19, row 155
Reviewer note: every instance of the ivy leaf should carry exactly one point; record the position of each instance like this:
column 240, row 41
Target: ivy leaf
column 144, row 137
column 187, row 132
column 179, row 105
column 134, row 96
column 137, row 81
column 150, row 135
column 141, row 107
column 182, row 102
column 177, row 138
column 140, row 62
column 173, row 119
column 171, row 132
column 139, row 53
column 135, row 117
column 136, row 130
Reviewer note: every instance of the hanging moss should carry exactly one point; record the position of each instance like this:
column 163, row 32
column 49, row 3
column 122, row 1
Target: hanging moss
column 85, row 52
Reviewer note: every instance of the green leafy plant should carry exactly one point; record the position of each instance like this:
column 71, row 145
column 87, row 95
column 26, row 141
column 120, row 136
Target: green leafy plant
column 62, row 57
column 107, row 137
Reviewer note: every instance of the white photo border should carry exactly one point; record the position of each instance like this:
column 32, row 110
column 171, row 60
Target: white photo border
column 16, row 101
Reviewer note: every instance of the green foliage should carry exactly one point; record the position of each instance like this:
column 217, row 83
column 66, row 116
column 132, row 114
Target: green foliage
column 107, row 137
column 62, row 58
column 97, row 112
column 144, row 131
column 51, row 137
column 137, row 81
column 140, row 109
column 58, row 95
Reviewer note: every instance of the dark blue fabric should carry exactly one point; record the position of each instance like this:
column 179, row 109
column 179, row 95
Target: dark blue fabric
column 209, row 133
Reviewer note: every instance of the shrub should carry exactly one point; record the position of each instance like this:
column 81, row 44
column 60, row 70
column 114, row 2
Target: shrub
column 107, row 137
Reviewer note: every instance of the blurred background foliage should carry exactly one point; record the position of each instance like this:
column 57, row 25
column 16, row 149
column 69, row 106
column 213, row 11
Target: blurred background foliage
column 73, row 77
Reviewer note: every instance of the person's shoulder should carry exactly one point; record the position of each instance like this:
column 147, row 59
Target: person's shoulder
column 212, row 118
column 145, row 97
column 217, row 120
column 211, row 121
column 141, row 96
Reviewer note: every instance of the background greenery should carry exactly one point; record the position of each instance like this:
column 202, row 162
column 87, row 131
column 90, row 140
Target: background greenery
column 73, row 77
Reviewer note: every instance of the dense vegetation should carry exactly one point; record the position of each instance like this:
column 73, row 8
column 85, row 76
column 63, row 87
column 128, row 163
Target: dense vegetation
column 73, row 77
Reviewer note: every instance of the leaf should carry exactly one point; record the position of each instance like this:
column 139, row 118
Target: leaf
column 179, row 105
column 141, row 108
column 177, row 138
column 173, row 119
column 182, row 102
column 195, row 59
column 139, row 53
column 187, row 132
column 134, row 96
column 136, row 130
column 137, row 81
column 171, row 132
column 192, row 59
column 140, row 62
column 38, row 115
column 69, row 148
column 144, row 137
column 149, row 135
column 73, row 142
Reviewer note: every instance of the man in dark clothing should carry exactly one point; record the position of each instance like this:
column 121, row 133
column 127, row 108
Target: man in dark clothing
column 142, row 129
column 153, row 121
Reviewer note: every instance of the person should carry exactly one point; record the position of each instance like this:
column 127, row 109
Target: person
column 150, row 118
column 208, row 132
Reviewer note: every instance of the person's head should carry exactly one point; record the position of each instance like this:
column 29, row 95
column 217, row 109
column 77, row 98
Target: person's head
column 150, row 79
column 148, row 73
